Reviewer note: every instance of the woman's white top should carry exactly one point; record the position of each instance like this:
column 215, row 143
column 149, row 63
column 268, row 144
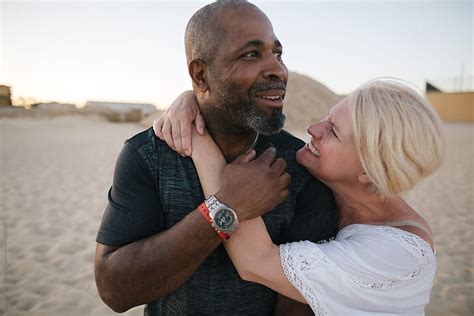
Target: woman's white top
column 366, row 270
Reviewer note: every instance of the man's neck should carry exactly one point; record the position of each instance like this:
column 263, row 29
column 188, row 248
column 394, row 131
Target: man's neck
column 232, row 145
column 232, row 138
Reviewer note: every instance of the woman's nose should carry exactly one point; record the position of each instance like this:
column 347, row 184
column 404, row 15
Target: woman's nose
column 316, row 130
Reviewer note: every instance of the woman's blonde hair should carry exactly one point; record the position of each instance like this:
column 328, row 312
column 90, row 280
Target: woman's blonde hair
column 398, row 135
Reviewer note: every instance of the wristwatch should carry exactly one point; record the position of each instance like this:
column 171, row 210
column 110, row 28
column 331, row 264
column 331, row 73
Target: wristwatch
column 222, row 217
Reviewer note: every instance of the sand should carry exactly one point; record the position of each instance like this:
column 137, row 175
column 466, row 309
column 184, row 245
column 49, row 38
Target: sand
column 55, row 174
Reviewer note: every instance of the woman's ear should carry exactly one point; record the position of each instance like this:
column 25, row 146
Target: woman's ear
column 363, row 177
column 197, row 72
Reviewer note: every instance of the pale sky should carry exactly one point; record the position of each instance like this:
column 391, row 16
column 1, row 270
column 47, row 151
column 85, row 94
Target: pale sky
column 133, row 51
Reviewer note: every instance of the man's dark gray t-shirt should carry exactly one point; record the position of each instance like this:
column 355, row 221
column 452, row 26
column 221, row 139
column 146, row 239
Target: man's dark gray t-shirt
column 154, row 188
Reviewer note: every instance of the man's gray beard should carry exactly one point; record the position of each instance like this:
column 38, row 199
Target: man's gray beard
column 242, row 119
column 263, row 125
column 234, row 116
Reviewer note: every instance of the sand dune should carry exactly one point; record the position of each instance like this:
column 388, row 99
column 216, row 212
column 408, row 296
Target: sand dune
column 55, row 174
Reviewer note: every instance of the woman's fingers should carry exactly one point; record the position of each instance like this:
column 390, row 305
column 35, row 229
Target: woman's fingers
column 186, row 138
column 200, row 124
column 158, row 125
column 166, row 131
column 176, row 135
column 176, row 124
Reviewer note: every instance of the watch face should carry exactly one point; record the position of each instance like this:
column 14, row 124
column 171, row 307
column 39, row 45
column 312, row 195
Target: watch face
column 224, row 219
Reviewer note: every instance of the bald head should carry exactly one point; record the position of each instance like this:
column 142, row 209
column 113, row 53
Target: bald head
column 204, row 33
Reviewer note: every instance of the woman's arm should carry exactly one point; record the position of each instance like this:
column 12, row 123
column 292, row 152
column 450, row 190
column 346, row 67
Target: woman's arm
column 257, row 258
column 209, row 162
column 250, row 248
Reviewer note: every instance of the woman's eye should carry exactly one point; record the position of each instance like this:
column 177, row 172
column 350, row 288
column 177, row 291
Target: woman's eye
column 333, row 131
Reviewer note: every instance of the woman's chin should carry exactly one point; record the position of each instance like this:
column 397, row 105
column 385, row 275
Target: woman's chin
column 300, row 157
column 305, row 159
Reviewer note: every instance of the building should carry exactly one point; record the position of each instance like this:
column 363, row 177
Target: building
column 5, row 96
column 56, row 107
column 120, row 112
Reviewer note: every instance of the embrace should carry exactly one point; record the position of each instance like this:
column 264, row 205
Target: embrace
column 218, row 211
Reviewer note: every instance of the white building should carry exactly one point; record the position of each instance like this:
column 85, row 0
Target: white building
column 144, row 108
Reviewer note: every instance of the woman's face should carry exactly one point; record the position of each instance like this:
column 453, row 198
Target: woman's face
column 331, row 155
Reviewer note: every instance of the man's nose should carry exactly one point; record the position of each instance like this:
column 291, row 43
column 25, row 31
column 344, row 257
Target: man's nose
column 275, row 68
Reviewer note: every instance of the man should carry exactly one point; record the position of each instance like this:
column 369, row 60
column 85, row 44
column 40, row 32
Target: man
column 156, row 244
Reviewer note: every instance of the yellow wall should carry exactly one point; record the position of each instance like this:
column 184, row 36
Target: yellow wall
column 453, row 107
column 5, row 91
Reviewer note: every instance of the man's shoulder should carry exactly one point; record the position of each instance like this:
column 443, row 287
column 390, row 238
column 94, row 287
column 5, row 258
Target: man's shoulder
column 286, row 140
column 152, row 150
column 287, row 145
column 147, row 147
column 145, row 137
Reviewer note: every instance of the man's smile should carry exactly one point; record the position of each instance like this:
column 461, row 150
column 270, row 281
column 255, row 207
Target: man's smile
column 271, row 98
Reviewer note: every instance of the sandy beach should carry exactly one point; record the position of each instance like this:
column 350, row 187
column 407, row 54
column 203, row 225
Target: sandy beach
column 55, row 174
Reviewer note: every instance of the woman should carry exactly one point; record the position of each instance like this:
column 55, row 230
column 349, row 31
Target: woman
column 375, row 144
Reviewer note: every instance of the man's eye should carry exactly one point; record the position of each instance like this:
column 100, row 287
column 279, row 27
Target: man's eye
column 252, row 54
column 278, row 54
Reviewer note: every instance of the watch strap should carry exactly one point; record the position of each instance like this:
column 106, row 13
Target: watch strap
column 205, row 213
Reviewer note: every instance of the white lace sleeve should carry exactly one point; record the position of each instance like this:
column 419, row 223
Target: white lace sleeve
column 364, row 271
column 298, row 258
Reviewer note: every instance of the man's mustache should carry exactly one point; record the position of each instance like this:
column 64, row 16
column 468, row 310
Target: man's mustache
column 269, row 86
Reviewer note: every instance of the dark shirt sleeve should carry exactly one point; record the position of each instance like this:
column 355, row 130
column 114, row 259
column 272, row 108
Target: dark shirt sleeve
column 315, row 216
column 134, row 210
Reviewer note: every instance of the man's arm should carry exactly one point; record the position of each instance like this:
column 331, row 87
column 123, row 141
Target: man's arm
column 145, row 270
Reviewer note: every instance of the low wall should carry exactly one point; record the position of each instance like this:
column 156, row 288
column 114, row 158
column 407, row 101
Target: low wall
column 112, row 116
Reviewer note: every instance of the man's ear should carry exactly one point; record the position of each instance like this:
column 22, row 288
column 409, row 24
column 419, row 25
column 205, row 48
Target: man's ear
column 198, row 73
column 363, row 177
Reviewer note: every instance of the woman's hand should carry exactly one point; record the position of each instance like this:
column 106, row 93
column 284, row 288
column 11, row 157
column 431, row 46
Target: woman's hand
column 175, row 125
